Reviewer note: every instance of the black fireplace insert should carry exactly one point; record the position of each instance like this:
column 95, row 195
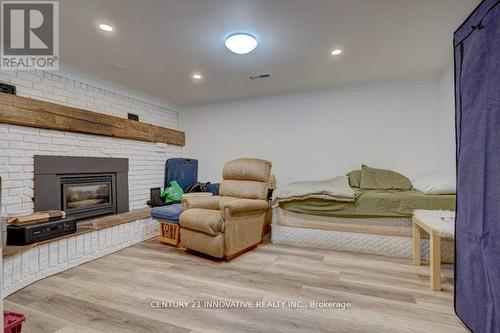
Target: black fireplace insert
column 84, row 187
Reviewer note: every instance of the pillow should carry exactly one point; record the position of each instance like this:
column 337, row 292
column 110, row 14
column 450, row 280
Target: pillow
column 354, row 178
column 337, row 189
column 380, row 179
column 436, row 183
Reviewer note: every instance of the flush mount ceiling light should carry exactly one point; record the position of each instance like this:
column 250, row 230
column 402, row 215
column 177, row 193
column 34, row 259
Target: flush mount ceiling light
column 241, row 43
column 105, row 27
column 337, row 52
column 196, row 76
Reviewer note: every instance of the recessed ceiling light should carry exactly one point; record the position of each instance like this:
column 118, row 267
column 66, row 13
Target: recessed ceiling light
column 105, row 27
column 196, row 76
column 336, row 52
column 241, row 43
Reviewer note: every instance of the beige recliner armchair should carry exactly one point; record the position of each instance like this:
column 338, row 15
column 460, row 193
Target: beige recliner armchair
column 229, row 224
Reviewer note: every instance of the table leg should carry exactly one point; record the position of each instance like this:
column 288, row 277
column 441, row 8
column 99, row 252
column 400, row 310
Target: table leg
column 435, row 261
column 416, row 244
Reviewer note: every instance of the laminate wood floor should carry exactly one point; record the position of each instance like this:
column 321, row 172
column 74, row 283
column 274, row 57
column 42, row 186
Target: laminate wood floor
column 114, row 293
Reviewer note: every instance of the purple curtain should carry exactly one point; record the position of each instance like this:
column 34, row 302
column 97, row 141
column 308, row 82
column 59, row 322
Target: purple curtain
column 477, row 246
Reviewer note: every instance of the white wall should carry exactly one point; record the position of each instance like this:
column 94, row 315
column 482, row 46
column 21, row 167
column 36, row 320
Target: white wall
column 19, row 144
column 404, row 125
column 392, row 125
column 448, row 120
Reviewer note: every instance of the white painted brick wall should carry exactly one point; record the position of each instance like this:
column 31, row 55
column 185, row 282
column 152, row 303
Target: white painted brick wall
column 19, row 144
column 24, row 268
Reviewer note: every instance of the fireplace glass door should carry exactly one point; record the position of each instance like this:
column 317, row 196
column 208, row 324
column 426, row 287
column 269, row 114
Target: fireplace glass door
column 88, row 194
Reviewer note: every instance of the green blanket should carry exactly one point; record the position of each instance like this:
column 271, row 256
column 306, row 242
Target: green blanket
column 374, row 203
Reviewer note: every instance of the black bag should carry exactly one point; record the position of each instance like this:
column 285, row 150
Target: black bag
column 198, row 187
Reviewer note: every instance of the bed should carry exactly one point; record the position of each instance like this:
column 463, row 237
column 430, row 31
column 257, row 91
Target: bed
column 376, row 221
column 373, row 203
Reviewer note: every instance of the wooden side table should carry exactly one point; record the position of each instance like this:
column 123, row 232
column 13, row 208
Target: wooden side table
column 439, row 225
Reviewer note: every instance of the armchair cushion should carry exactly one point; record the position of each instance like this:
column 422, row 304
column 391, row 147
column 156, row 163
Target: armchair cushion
column 204, row 202
column 224, row 200
column 207, row 221
column 247, row 169
column 244, row 189
column 240, row 206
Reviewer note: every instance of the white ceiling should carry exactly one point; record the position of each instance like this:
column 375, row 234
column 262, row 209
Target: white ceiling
column 161, row 43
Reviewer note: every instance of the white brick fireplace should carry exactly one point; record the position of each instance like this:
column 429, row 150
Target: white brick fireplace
column 19, row 144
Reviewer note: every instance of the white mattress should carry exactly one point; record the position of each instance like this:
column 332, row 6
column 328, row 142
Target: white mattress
column 390, row 245
column 390, row 226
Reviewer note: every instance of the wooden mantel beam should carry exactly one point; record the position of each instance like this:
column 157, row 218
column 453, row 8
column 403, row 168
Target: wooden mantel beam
column 24, row 111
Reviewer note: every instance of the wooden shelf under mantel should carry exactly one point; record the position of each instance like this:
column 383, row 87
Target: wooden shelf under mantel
column 17, row 110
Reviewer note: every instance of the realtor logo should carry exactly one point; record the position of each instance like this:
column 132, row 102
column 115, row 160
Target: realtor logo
column 30, row 35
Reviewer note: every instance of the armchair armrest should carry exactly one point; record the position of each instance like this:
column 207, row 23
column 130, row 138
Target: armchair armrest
column 235, row 207
column 204, row 202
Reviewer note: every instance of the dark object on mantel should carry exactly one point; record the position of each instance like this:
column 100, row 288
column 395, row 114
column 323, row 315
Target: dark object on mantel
column 24, row 111
column 38, row 232
column 84, row 187
column 132, row 116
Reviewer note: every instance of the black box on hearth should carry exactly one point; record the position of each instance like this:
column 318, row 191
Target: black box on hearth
column 39, row 232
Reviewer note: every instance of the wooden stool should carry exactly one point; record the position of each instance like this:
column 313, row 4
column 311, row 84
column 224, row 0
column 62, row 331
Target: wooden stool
column 439, row 225
column 169, row 232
